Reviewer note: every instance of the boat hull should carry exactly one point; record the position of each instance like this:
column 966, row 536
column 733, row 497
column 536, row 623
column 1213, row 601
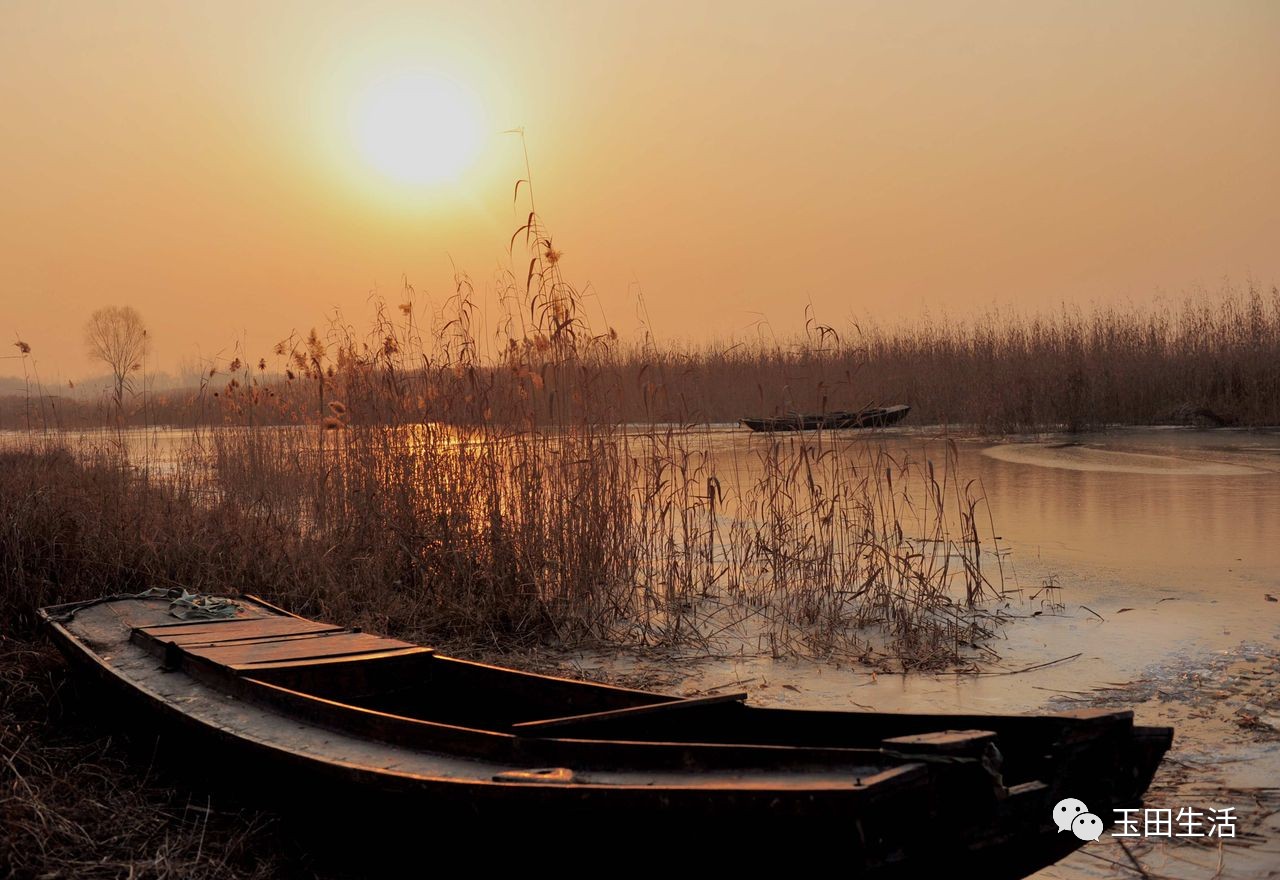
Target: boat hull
column 796, row 778
column 872, row 417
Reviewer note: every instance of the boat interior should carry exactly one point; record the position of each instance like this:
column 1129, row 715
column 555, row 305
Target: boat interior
column 398, row 691
column 447, row 690
column 403, row 694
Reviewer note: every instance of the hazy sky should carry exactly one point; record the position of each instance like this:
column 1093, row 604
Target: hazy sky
column 211, row 163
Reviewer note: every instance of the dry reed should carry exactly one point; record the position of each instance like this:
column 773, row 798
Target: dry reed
column 434, row 493
column 1207, row 358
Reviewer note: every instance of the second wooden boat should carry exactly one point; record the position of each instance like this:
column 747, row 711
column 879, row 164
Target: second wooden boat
column 870, row 417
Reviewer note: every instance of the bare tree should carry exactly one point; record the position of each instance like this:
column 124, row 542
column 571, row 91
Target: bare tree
column 116, row 336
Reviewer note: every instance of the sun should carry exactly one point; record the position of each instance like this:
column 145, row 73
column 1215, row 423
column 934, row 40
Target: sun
column 417, row 128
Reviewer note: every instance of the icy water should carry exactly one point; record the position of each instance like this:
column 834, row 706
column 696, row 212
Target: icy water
column 1162, row 548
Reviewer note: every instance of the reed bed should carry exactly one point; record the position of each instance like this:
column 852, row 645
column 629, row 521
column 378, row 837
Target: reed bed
column 510, row 501
column 1206, row 358
column 523, row 498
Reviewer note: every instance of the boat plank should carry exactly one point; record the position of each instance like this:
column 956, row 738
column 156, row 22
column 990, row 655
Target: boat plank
column 943, row 742
column 253, row 628
column 335, row 645
column 198, row 641
column 332, row 661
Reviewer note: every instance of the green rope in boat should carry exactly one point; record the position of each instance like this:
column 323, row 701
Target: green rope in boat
column 183, row 605
column 202, row 606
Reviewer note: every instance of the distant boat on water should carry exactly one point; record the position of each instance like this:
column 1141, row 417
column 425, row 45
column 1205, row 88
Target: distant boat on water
column 868, row 417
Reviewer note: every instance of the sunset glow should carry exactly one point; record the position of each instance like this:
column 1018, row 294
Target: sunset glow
column 417, row 128
column 237, row 171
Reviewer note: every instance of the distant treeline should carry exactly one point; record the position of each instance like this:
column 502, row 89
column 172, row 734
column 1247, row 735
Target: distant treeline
column 1209, row 360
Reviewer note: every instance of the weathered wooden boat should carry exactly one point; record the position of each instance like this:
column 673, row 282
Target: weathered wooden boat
column 869, row 417
column 382, row 729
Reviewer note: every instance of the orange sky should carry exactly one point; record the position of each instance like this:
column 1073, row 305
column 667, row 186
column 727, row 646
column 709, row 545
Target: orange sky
column 735, row 160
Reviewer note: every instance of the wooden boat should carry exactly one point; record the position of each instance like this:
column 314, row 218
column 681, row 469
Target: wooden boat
column 380, row 728
column 870, row 417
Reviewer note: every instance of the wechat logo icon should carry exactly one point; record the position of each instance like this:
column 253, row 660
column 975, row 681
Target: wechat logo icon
column 1072, row 815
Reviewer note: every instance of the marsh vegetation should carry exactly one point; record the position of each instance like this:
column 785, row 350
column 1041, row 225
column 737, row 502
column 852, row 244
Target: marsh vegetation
column 554, row 487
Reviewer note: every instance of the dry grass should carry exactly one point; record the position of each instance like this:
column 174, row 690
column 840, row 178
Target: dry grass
column 75, row 804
